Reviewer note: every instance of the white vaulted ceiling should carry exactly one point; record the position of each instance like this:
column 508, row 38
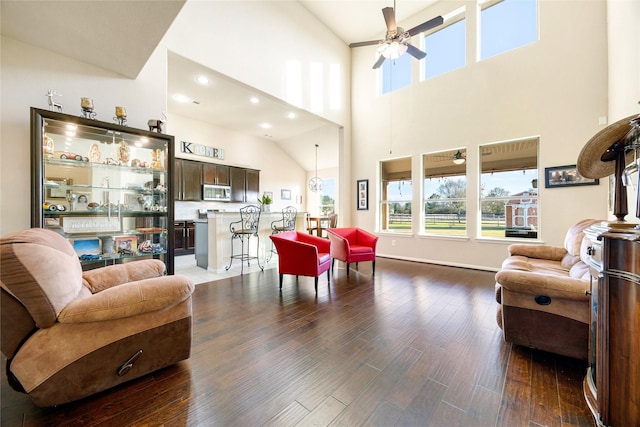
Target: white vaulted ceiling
column 121, row 35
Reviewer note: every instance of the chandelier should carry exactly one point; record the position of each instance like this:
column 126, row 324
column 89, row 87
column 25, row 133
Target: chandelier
column 315, row 183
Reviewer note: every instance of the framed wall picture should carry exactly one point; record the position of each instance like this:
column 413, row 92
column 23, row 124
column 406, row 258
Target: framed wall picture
column 285, row 194
column 363, row 194
column 565, row 176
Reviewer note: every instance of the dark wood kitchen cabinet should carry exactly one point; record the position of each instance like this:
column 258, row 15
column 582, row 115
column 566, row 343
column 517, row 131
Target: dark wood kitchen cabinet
column 215, row 174
column 245, row 185
column 184, row 237
column 187, row 180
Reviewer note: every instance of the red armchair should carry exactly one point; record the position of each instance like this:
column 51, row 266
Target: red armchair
column 302, row 254
column 352, row 245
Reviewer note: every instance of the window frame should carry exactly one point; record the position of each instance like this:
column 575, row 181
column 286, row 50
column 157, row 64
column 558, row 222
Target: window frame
column 483, row 5
column 524, row 196
column 384, row 202
column 445, row 171
column 450, row 19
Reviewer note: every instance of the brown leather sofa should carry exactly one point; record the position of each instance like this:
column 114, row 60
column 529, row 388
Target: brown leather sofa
column 543, row 292
column 68, row 334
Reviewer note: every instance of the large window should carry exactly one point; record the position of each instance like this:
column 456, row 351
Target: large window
column 506, row 25
column 509, row 189
column 446, row 48
column 396, row 73
column 445, row 193
column 328, row 196
column 397, row 192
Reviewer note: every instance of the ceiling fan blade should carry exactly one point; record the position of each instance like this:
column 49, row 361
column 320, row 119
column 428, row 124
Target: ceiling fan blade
column 369, row 43
column 432, row 23
column 379, row 62
column 415, row 52
column 390, row 19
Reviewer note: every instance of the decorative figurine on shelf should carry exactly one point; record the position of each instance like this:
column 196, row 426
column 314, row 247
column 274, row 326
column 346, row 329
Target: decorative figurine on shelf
column 156, row 125
column 157, row 159
column 86, row 106
column 94, row 153
column 47, row 146
column 123, row 152
column 53, row 105
column 121, row 116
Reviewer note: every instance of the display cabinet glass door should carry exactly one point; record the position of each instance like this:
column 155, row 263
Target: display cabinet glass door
column 103, row 186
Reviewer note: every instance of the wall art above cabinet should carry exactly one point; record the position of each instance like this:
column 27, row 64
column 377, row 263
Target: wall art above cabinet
column 105, row 187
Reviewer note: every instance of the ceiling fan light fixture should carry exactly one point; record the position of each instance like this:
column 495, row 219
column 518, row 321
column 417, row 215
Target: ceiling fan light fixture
column 394, row 50
column 458, row 158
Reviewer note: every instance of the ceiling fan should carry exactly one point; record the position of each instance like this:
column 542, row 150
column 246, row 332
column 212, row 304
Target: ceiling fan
column 396, row 41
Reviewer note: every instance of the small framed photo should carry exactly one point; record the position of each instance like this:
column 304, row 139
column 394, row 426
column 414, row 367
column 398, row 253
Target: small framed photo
column 125, row 245
column 57, row 187
column 285, row 194
column 87, row 246
column 565, row 176
column 363, row 194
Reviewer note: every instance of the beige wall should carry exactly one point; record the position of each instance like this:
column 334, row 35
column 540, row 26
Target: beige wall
column 28, row 73
column 555, row 88
column 249, row 41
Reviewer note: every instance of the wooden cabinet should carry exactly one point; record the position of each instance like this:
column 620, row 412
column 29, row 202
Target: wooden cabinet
column 184, row 237
column 252, row 189
column 188, row 180
column 215, row 174
column 96, row 184
column 612, row 385
column 245, row 185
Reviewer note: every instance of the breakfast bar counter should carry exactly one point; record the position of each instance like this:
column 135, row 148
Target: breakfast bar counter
column 213, row 239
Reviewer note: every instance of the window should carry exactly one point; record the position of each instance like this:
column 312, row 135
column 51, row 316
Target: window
column 397, row 192
column 446, row 49
column 328, row 196
column 445, row 193
column 506, row 25
column 509, row 189
column 396, row 73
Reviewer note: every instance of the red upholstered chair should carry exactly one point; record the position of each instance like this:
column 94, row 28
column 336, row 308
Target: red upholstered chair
column 352, row 244
column 302, row 254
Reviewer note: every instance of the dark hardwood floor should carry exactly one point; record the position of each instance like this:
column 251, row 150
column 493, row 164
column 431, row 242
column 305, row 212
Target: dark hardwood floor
column 414, row 345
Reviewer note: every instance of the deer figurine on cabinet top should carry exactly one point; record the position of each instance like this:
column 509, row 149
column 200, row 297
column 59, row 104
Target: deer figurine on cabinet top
column 53, row 105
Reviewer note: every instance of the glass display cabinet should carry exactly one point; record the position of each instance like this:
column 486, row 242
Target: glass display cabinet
column 104, row 186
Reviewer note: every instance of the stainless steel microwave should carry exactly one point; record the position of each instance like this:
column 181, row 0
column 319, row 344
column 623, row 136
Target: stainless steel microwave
column 219, row 193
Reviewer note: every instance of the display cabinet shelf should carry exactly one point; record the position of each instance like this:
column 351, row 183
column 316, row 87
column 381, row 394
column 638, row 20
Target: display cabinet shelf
column 104, row 186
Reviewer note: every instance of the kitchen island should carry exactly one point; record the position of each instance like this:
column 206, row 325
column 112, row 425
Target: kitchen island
column 213, row 239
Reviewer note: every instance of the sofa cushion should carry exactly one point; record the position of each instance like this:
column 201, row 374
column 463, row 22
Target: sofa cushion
column 575, row 234
column 41, row 269
column 580, row 271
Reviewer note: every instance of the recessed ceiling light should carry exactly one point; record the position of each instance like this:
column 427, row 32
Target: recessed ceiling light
column 180, row 98
column 254, row 100
column 203, row 80
column 265, row 126
column 292, row 115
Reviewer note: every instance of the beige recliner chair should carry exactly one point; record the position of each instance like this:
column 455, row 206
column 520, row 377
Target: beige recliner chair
column 68, row 334
column 543, row 293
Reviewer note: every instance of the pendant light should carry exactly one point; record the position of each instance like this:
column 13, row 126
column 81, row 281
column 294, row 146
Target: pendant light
column 315, row 183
